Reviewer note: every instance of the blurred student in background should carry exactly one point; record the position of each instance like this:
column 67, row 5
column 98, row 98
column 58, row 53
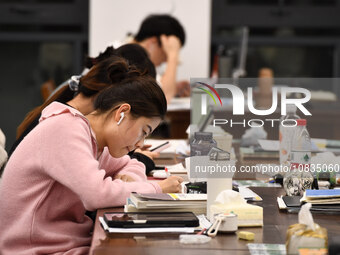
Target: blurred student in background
column 162, row 36
column 73, row 162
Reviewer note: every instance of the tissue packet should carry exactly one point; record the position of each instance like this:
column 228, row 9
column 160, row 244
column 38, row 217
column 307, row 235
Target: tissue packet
column 300, row 236
column 231, row 201
column 305, row 234
column 248, row 215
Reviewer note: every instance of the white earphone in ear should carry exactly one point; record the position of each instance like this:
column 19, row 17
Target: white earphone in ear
column 121, row 118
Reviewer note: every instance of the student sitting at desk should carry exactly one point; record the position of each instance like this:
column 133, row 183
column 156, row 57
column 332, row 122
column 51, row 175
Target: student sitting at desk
column 70, row 163
column 162, row 36
column 82, row 98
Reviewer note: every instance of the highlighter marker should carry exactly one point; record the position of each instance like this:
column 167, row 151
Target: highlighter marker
column 167, row 172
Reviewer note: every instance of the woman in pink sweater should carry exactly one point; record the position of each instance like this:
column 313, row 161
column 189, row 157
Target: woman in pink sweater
column 70, row 163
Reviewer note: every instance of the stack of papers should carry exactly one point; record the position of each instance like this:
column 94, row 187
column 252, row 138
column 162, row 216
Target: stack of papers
column 170, row 202
column 323, row 201
column 248, row 194
column 255, row 183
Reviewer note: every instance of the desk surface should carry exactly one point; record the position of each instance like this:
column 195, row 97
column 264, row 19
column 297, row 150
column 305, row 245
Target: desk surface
column 273, row 231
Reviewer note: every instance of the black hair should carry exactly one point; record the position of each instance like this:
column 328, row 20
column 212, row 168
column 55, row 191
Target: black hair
column 89, row 62
column 93, row 82
column 141, row 92
column 157, row 25
column 133, row 53
column 136, row 55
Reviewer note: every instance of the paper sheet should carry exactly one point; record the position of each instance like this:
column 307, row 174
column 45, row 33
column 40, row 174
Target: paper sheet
column 281, row 203
column 269, row 145
column 248, row 194
column 177, row 169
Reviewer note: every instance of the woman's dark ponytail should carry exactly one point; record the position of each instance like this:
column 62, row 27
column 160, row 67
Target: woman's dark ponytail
column 121, row 71
column 109, row 51
column 106, row 70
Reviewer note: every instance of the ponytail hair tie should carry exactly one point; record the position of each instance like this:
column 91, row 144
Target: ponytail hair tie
column 73, row 83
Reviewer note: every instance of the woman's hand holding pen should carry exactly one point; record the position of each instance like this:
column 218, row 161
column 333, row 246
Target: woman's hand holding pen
column 171, row 184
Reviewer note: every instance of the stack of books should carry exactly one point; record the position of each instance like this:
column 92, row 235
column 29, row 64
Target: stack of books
column 167, row 202
column 322, row 197
column 323, row 201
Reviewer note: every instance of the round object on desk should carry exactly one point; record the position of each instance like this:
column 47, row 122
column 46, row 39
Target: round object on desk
column 229, row 223
column 224, row 222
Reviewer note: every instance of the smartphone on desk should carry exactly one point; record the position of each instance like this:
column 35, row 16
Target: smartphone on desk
column 150, row 219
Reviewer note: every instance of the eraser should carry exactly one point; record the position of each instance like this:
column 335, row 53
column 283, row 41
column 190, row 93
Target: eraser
column 160, row 174
column 246, row 235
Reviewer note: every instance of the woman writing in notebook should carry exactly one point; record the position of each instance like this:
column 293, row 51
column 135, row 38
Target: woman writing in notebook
column 72, row 162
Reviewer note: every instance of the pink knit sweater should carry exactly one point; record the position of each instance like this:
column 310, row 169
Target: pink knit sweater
column 52, row 178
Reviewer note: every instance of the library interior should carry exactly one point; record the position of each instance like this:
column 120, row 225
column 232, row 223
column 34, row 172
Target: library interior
column 173, row 126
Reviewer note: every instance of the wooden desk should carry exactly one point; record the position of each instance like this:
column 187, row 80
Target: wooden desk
column 273, row 231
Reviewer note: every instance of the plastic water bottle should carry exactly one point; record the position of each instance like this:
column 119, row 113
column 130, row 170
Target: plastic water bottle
column 286, row 133
column 299, row 178
column 301, row 146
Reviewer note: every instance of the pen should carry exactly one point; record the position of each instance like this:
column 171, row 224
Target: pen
column 159, row 146
column 167, row 172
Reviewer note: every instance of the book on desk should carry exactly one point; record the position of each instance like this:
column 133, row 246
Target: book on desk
column 322, row 197
column 195, row 203
column 323, row 201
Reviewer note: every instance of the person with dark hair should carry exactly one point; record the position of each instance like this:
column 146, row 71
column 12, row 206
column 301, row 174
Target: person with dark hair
column 162, row 36
column 133, row 53
column 160, row 24
column 78, row 163
column 83, row 101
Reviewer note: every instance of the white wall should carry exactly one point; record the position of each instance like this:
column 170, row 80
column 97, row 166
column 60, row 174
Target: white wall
column 111, row 20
